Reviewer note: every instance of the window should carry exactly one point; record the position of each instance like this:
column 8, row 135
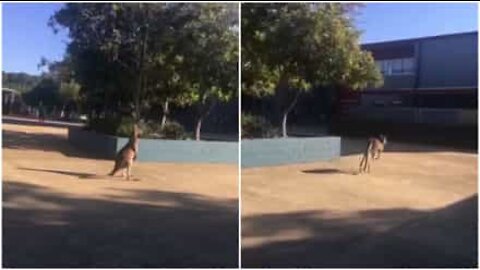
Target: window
column 399, row 66
column 379, row 103
column 397, row 102
column 408, row 65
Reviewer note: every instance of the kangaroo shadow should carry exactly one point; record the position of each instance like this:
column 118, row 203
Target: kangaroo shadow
column 69, row 173
column 329, row 171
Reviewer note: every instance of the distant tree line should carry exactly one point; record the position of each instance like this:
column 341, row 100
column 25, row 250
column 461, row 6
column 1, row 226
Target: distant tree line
column 19, row 81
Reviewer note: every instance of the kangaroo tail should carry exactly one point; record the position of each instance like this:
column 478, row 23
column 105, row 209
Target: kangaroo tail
column 115, row 169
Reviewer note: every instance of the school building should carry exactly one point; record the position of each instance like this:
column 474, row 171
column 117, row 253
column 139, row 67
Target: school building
column 430, row 80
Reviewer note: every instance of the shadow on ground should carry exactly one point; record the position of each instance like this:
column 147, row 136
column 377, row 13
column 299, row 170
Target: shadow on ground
column 164, row 229
column 329, row 171
column 369, row 239
column 357, row 146
column 44, row 142
column 68, row 173
column 35, row 122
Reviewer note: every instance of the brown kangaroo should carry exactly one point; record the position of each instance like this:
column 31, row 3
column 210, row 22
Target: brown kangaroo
column 126, row 155
column 375, row 147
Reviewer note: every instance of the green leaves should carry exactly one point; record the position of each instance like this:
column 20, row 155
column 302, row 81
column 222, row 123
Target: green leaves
column 210, row 52
column 69, row 91
column 190, row 54
column 307, row 44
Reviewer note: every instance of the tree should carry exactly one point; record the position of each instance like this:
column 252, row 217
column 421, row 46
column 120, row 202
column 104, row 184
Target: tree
column 69, row 93
column 319, row 49
column 210, row 63
column 22, row 82
column 166, row 63
column 45, row 92
column 143, row 56
column 114, row 38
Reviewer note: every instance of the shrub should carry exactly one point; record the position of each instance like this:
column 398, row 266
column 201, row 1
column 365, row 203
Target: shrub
column 103, row 125
column 115, row 126
column 254, row 126
column 123, row 127
column 173, row 130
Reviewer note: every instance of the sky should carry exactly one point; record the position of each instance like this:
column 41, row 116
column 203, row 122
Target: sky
column 26, row 37
column 391, row 21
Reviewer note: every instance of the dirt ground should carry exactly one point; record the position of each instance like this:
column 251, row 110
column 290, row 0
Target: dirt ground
column 177, row 215
column 417, row 208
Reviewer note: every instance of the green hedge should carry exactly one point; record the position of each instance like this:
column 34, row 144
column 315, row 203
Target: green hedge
column 254, row 126
column 123, row 127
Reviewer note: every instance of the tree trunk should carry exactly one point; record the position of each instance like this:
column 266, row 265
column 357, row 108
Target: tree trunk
column 284, row 125
column 286, row 112
column 141, row 69
column 198, row 128
column 203, row 111
column 62, row 112
column 165, row 113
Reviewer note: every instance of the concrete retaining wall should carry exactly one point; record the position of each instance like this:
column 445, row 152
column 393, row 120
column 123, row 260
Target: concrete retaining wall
column 266, row 152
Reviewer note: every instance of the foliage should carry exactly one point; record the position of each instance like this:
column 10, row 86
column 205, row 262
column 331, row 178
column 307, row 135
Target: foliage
column 138, row 56
column 45, row 92
column 123, row 127
column 209, row 44
column 254, row 126
column 115, row 126
column 69, row 91
column 297, row 46
column 22, row 82
column 321, row 48
column 173, row 130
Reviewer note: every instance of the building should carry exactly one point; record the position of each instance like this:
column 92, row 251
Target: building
column 430, row 80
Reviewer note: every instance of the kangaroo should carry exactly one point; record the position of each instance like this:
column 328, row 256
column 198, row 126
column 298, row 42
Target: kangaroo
column 126, row 155
column 375, row 147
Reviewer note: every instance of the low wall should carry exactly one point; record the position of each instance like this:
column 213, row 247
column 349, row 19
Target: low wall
column 157, row 150
column 266, row 152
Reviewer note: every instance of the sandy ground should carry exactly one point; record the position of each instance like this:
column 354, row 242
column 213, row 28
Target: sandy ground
column 177, row 215
column 417, row 208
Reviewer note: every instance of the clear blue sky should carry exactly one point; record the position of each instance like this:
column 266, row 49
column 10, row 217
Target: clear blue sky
column 390, row 21
column 26, row 36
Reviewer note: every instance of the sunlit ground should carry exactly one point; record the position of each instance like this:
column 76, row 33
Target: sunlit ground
column 417, row 207
column 177, row 215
